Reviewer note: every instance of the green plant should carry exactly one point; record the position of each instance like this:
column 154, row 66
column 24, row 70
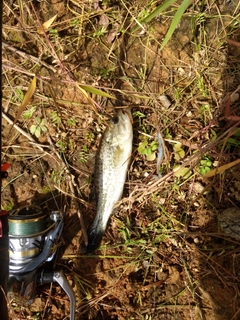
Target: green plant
column 39, row 127
column 205, row 110
column 72, row 122
column 18, row 95
column 8, row 207
column 233, row 141
column 55, row 118
column 179, row 153
column 83, row 154
column 62, row 145
column 201, row 85
column 148, row 148
column 205, row 165
column 27, row 114
column 56, row 177
column 99, row 32
column 89, row 136
column 53, row 34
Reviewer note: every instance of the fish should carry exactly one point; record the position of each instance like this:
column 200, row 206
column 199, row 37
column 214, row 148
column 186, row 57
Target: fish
column 111, row 167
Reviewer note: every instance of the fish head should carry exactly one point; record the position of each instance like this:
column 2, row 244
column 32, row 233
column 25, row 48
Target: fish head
column 120, row 127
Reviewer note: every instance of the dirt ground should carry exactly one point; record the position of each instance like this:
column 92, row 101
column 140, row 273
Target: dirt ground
column 170, row 251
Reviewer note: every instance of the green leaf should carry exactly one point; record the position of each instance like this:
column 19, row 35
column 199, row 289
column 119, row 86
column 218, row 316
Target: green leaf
column 27, row 114
column 179, row 152
column 176, row 19
column 37, row 132
column 151, row 156
column 183, row 172
column 33, row 129
column 155, row 13
column 142, row 147
column 96, row 91
column 154, row 145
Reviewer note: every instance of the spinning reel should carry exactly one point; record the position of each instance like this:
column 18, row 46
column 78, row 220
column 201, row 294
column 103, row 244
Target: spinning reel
column 33, row 240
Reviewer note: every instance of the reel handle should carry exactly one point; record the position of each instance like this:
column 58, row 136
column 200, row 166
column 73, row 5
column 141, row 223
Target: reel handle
column 59, row 277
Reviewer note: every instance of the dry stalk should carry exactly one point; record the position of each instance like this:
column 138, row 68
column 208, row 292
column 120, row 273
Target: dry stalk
column 21, row 131
column 27, row 56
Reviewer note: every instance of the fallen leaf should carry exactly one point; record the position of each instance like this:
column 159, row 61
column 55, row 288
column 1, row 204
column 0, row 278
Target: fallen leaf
column 26, row 99
column 221, row 169
column 46, row 25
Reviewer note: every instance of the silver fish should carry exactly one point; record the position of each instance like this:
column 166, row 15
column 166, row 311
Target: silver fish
column 111, row 167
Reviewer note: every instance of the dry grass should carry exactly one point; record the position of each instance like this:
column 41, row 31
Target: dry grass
column 163, row 256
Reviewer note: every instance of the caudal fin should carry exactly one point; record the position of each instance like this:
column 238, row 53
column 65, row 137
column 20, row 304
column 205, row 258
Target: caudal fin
column 94, row 241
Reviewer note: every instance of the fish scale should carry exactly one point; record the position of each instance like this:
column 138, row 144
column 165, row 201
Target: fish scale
column 112, row 161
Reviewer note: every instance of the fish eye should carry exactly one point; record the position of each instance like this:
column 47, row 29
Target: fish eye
column 115, row 120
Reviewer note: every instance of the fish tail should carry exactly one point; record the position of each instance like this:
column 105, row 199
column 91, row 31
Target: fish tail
column 95, row 234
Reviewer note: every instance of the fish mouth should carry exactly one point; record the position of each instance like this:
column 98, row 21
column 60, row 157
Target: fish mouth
column 127, row 112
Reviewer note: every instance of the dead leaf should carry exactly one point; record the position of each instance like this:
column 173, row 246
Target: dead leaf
column 46, row 25
column 26, row 99
column 104, row 21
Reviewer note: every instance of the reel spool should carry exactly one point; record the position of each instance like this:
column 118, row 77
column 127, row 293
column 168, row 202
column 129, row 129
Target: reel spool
column 27, row 228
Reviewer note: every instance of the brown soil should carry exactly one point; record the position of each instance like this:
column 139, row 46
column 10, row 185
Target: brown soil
column 163, row 255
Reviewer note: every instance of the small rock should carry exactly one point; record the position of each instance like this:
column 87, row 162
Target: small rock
column 165, row 101
column 198, row 187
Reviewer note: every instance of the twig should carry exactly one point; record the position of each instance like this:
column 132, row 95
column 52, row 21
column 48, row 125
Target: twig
column 25, row 134
column 27, row 56
column 85, row 203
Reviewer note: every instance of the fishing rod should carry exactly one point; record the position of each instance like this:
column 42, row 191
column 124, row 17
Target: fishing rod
column 4, row 256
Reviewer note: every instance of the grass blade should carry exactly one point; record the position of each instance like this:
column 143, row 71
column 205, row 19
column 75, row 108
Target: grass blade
column 155, row 13
column 93, row 90
column 176, row 19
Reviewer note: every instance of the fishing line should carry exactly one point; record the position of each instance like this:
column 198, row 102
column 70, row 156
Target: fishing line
column 27, row 221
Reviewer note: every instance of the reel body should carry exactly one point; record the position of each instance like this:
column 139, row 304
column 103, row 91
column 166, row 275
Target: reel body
column 33, row 240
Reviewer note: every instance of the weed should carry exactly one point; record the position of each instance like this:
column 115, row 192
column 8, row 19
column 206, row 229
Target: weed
column 205, row 165
column 233, row 141
column 179, row 152
column 62, row 145
column 148, row 148
column 39, row 127
column 8, row 207
column 72, row 122
column 28, row 114
column 46, row 189
column 99, row 32
column 89, row 137
column 18, row 95
column 53, row 33
column 54, row 117
column 83, row 154
column 56, row 177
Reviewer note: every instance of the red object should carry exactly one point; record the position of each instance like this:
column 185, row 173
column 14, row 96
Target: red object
column 4, row 168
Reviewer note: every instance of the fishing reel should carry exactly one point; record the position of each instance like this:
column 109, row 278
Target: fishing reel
column 34, row 236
